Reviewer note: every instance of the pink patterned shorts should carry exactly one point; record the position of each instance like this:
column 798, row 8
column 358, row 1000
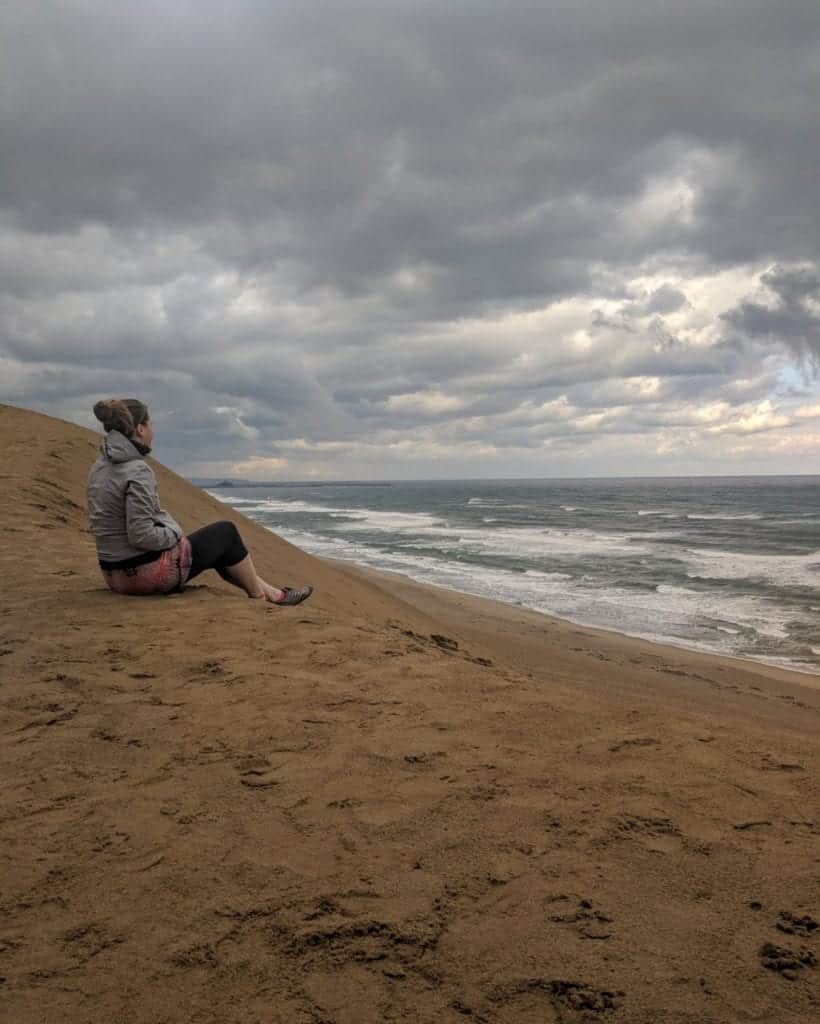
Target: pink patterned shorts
column 162, row 576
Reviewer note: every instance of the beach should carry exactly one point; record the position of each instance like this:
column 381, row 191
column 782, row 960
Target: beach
column 730, row 566
column 392, row 803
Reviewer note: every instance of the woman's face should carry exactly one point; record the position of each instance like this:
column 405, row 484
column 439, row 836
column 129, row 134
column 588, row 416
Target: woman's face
column 144, row 433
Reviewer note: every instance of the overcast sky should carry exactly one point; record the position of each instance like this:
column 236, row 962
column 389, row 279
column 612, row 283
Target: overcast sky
column 419, row 239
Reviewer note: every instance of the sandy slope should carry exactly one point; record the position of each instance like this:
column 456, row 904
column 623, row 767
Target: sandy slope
column 388, row 804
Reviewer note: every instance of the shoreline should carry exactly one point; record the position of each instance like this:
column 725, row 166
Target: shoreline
column 745, row 603
column 404, row 585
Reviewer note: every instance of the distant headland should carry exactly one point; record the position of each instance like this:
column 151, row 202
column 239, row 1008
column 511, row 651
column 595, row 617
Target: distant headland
column 223, row 484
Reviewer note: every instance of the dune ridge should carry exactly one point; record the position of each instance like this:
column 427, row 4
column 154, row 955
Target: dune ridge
column 389, row 804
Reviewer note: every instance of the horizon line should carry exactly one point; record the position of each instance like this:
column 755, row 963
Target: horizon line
column 238, row 481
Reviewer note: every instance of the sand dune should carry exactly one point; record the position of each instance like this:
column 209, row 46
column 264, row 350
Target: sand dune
column 389, row 804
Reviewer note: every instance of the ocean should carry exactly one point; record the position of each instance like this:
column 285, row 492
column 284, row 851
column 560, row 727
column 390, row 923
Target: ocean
column 729, row 565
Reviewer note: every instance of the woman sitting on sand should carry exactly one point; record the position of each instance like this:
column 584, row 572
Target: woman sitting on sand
column 140, row 547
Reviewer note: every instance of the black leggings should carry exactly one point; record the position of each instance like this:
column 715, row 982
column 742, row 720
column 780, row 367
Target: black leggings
column 216, row 547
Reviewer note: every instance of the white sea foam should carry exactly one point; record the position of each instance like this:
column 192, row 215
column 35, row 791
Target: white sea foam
column 279, row 505
column 435, row 531
column 781, row 570
column 229, row 499
column 669, row 612
column 533, row 542
column 724, row 516
column 496, row 504
column 501, row 584
column 656, row 535
column 393, row 522
column 357, row 518
column 547, row 575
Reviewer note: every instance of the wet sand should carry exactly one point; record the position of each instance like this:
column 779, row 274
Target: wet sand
column 392, row 803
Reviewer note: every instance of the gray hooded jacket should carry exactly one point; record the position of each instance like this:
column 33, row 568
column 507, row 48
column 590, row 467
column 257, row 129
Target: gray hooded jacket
column 123, row 506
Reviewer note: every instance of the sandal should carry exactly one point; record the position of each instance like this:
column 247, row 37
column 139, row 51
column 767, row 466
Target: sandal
column 291, row 596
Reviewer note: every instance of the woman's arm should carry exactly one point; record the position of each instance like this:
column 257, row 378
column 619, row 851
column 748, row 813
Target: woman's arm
column 148, row 527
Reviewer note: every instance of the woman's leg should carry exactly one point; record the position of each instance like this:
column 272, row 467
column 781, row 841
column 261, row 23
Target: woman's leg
column 243, row 574
column 219, row 546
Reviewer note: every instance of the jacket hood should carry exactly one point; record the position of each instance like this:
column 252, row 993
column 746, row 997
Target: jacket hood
column 117, row 448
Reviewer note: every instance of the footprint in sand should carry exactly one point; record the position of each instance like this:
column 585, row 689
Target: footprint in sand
column 542, row 1000
column 588, row 922
column 792, row 924
column 110, row 737
column 647, row 741
column 256, row 779
column 202, row 955
column 770, row 764
column 424, row 758
column 52, row 714
column 88, row 940
column 784, row 961
column 257, row 772
column 659, row 835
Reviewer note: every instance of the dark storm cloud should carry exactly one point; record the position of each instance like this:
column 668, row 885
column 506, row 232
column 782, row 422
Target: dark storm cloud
column 370, row 137
column 794, row 317
column 324, row 219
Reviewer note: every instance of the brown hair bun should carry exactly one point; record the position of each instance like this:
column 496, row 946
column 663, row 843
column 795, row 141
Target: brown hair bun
column 114, row 414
